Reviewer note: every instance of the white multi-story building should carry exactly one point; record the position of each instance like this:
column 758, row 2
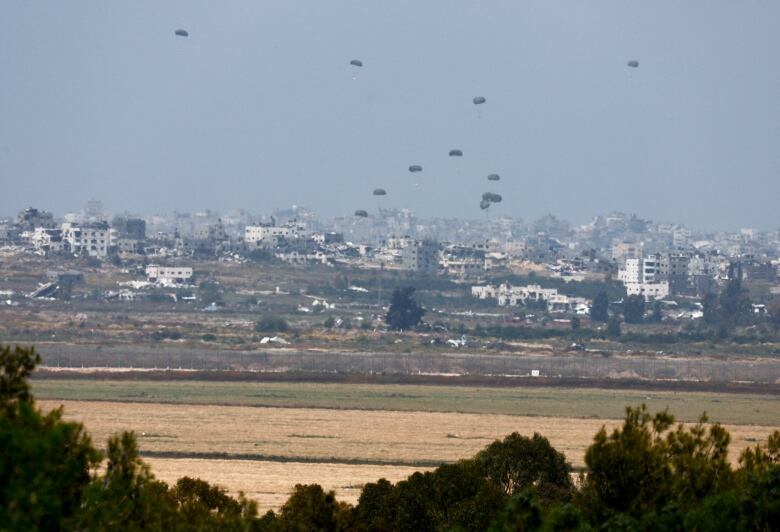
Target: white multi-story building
column 463, row 267
column 495, row 261
column 514, row 248
column 631, row 273
column 267, row 234
column 89, row 239
column 171, row 274
column 647, row 270
column 398, row 242
column 645, row 277
column 651, row 269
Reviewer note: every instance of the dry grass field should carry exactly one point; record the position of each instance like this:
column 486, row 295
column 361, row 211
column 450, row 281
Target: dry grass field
column 270, row 483
column 347, row 447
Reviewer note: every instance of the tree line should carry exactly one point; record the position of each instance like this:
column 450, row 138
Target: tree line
column 650, row 473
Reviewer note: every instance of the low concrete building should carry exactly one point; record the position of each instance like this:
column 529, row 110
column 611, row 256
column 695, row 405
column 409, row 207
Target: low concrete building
column 507, row 295
column 421, row 256
column 47, row 240
column 648, row 290
column 171, row 274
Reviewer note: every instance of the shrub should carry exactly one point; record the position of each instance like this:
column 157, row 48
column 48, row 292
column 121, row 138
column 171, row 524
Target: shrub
column 272, row 324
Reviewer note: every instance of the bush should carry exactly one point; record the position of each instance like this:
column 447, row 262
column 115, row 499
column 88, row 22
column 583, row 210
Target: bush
column 272, row 324
column 165, row 334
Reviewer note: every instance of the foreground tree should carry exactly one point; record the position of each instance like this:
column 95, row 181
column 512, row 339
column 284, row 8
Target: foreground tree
column 730, row 308
column 452, row 497
column 404, row 312
column 45, row 462
column 310, row 508
column 599, row 310
column 650, row 475
column 645, row 475
column 634, row 309
column 518, row 462
column 127, row 497
column 735, row 305
column 644, row 470
column 656, row 316
column 49, row 478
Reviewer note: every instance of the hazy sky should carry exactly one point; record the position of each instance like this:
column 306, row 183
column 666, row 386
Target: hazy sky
column 258, row 108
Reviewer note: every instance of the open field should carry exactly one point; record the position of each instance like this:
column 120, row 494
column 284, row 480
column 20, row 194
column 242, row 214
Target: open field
column 526, row 401
column 265, row 450
column 377, row 353
column 270, row 483
column 95, row 329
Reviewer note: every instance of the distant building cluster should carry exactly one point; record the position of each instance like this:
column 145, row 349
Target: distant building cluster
column 654, row 260
column 85, row 235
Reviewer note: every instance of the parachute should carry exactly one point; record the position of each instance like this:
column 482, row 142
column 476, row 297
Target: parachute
column 492, row 197
column 181, row 33
column 633, row 63
column 484, row 204
column 456, row 153
column 356, row 62
column 479, row 100
column 380, row 192
column 494, row 177
column 360, row 213
column 415, row 168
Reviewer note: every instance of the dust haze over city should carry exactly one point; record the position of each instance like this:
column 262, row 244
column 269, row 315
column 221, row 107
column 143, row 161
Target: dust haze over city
column 389, row 266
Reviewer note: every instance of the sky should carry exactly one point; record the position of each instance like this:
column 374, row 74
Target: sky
column 259, row 107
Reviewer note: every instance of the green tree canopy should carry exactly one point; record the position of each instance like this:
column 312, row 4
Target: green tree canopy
column 404, row 312
column 49, row 478
column 310, row 508
column 634, row 308
column 613, row 327
column 518, row 462
column 734, row 301
column 657, row 315
column 45, row 462
column 644, row 465
column 647, row 474
column 272, row 324
column 599, row 310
